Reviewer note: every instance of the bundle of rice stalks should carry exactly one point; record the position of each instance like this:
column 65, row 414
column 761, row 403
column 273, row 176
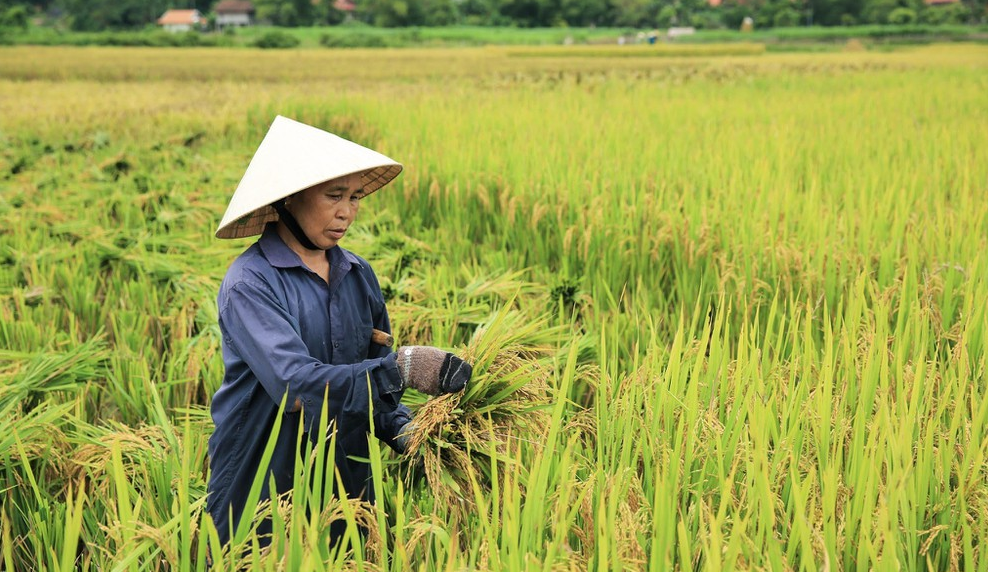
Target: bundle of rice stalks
column 463, row 438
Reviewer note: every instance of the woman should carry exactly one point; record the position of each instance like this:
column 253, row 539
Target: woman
column 298, row 315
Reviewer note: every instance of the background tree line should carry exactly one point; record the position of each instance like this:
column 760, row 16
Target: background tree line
column 93, row 15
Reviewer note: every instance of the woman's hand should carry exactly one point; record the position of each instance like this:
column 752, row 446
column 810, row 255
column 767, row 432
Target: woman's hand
column 432, row 370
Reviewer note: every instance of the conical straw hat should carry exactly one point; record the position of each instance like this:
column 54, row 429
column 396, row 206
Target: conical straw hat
column 292, row 157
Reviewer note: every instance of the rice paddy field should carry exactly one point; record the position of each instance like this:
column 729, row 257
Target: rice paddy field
column 727, row 309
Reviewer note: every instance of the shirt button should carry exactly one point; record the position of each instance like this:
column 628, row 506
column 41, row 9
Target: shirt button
column 336, row 345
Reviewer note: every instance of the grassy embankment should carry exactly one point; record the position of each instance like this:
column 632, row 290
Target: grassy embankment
column 362, row 36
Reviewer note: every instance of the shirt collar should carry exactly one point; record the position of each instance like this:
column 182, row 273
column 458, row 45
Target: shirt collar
column 339, row 256
column 280, row 255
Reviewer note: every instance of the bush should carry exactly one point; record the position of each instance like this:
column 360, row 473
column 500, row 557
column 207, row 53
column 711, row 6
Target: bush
column 733, row 14
column 707, row 20
column 932, row 15
column 276, row 39
column 353, row 40
column 901, row 16
column 955, row 13
column 410, row 36
column 878, row 11
column 16, row 17
column 786, row 18
column 666, row 17
column 356, row 25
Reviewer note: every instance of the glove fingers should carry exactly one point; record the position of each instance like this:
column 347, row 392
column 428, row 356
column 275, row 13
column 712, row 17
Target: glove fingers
column 454, row 374
column 404, row 436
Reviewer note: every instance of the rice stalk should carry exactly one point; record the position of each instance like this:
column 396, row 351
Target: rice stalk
column 503, row 405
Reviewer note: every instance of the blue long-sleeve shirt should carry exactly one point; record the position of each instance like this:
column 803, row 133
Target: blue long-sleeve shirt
column 285, row 330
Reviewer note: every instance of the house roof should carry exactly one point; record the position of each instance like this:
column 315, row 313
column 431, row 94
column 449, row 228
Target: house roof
column 173, row 17
column 344, row 5
column 234, row 7
column 936, row 2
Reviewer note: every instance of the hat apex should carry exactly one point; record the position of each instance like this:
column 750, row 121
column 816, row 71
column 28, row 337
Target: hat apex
column 292, row 157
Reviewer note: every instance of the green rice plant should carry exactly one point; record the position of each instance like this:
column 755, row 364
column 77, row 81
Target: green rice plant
column 29, row 377
column 727, row 312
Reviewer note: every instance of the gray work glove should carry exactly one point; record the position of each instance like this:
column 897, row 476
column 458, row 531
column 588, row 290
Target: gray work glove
column 431, row 370
column 404, row 436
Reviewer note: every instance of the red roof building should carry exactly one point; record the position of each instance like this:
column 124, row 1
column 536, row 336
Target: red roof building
column 234, row 7
column 181, row 20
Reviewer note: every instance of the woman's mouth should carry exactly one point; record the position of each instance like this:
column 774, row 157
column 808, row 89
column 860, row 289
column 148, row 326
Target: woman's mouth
column 337, row 233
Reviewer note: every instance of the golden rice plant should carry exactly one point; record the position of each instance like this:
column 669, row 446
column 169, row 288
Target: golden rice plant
column 477, row 431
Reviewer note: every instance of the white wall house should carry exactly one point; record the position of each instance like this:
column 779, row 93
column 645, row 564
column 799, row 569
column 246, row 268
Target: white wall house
column 674, row 33
column 234, row 13
column 181, row 20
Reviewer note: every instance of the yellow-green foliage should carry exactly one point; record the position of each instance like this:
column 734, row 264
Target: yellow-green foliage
column 641, row 51
column 747, row 293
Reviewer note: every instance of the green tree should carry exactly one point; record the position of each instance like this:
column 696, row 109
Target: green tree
column 877, row 11
column 584, row 12
column 833, row 12
column 40, row 6
column 95, row 15
column 204, row 6
column 395, row 13
column 956, row 13
column 480, row 12
column 787, row 17
column 635, row 13
column 528, row 13
column 15, row 17
column 707, row 20
column 902, row 16
column 734, row 12
column 289, row 13
column 667, row 16
column 439, row 13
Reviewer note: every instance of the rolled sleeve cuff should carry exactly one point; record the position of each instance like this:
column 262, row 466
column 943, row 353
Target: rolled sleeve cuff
column 390, row 378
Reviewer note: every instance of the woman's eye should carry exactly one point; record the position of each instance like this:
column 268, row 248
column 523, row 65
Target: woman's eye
column 335, row 198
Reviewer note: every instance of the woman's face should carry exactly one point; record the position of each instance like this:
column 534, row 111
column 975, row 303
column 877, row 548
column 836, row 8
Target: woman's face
column 327, row 210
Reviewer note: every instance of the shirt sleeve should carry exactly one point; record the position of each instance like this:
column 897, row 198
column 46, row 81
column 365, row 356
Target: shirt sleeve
column 265, row 335
column 389, row 420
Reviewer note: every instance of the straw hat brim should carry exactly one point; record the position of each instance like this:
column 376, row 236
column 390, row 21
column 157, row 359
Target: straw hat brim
column 253, row 223
column 293, row 157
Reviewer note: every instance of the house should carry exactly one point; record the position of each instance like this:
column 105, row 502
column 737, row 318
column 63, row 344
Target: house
column 234, row 13
column 673, row 33
column 181, row 20
column 345, row 6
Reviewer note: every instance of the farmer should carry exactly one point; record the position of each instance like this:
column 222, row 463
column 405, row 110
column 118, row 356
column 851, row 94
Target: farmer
column 302, row 318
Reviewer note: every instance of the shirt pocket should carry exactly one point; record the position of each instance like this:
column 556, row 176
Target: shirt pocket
column 362, row 342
